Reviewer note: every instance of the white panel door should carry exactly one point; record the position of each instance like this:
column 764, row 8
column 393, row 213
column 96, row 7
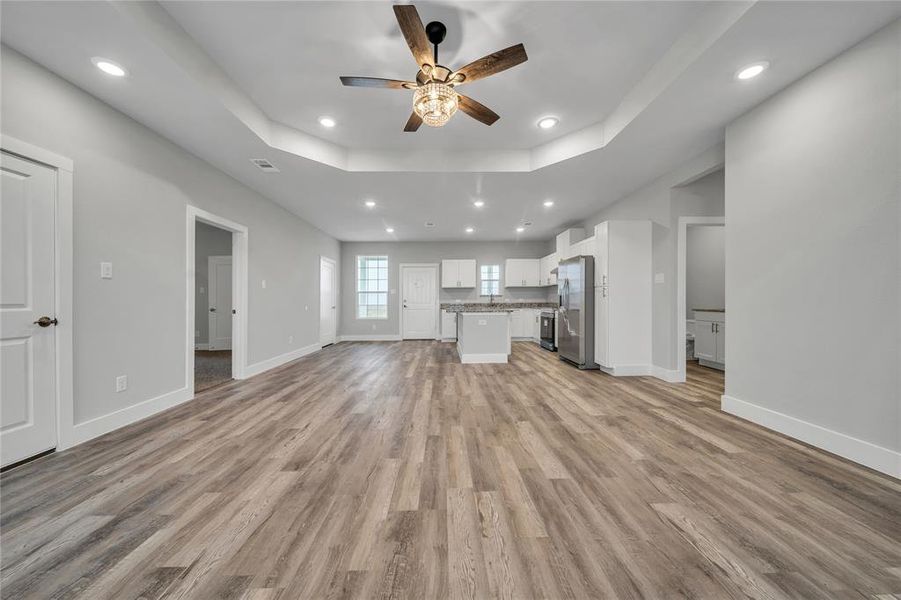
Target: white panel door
column 27, row 349
column 602, row 326
column 419, row 286
column 328, row 302
column 220, row 297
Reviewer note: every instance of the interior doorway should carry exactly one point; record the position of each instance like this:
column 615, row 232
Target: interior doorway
column 213, row 280
column 701, row 300
column 328, row 301
column 217, row 300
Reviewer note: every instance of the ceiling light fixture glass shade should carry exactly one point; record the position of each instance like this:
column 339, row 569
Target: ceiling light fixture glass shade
column 435, row 103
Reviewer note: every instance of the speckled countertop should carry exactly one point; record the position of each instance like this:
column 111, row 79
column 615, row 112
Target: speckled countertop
column 493, row 307
column 709, row 309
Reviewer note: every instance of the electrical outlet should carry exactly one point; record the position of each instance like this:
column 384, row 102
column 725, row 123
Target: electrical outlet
column 290, row 339
column 106, row 270
column 658, row 278
column 264, row 284
column 306, row 307
column 121, row 383
column 373, row 326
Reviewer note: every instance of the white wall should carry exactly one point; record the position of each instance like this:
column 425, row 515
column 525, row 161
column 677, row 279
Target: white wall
column 208, row 241
column 663, row 201
column 705, row 268
column 426, row 252
column 813, row 258
column 130, row 196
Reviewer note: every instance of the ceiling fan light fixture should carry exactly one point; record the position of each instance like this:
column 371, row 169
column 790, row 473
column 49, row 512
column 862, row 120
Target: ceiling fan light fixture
column 435, row 103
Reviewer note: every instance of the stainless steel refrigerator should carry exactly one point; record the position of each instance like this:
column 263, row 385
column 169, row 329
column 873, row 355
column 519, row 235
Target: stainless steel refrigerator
column 575, row 324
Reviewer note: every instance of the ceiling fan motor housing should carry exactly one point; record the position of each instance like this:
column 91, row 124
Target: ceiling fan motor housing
column 436, row 31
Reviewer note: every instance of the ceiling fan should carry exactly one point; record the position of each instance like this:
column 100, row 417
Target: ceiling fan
column 434, row 98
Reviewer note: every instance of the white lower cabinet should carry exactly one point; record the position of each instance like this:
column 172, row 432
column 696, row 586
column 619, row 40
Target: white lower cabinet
column 710, row 338
column 448, row 325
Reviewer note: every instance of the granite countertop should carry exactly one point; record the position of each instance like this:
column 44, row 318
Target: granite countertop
column 493, row 307
column 709, row 310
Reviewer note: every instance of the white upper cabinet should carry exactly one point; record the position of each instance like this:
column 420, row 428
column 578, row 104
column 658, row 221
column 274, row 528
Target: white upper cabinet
column 458, row 273
column 567, row 239
column 522, row 272
column 545, row 266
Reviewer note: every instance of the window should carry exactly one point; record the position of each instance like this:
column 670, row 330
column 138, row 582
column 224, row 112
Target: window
column 491, row 280
column 372, row 287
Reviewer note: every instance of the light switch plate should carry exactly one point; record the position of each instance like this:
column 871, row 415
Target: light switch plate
column 264, row 284
column 658, row 277
column 121, row 383
column 106, row 270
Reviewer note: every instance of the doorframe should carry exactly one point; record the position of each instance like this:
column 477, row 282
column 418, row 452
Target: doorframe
column 681, row 256
column 239, row 291
column 210, row 261
column 334, row 263
column 63, row 261
column 400, row 298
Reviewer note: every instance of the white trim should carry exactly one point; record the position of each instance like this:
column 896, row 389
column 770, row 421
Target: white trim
column 239, row 291
column 92, row 428
column 400, row 275
column 628, row 370
column 36, row 154
column 870, row 455
column 375, row 337
column 681, row 245
column 281, row 359
column 334, row 263
column 201, row 346
column 668, row 375
column 63, row 262
column 471, row 359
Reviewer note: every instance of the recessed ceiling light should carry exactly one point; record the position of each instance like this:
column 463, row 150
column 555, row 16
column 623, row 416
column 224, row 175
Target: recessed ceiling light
column 548, row 203
column 370, row 203
column 109, row 67
column 469, row 230
column 548, row 122
column 327, row 122
column 479, row 203
column 389, row 229
column 752, row 70
column 520, row 229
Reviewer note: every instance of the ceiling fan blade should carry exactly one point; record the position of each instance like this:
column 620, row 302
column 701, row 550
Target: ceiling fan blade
column 414, row 32
column 413, row 123
column 476, row 110
column 376, row 82
column 491, row 64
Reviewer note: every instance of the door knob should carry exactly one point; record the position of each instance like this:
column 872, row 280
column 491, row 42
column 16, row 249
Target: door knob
column 212, row 309
column 46, row 321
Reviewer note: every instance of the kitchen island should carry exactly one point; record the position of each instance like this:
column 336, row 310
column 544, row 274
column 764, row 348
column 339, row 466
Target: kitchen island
column 483, row 335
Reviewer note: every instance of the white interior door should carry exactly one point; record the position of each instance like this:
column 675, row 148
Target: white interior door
column 328, row 301
column 220, row 300
column 27, row 349
column 419, row 286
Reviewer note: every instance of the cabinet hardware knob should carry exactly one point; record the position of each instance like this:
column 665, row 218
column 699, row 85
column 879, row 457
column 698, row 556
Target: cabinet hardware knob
column 46, row 321
column 212, row 309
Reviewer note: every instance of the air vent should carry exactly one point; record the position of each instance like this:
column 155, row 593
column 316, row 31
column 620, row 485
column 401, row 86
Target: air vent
column 429, row 224
column 264, row 165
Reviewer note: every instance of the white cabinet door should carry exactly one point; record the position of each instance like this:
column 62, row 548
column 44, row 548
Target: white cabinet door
column 448, row 325
column 449, row 273
column 601, row 258
column 705, row 340
column 531, row 272
column 512, row 273
column 466, row 273
column 522, row 272
column 602, row 326
column 720, row 342
column 550, row 265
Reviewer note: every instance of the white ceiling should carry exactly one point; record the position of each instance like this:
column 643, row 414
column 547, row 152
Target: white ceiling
column 657, row 106
column 583, row 58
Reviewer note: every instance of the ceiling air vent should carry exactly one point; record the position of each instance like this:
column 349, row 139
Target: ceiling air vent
column 264, row 165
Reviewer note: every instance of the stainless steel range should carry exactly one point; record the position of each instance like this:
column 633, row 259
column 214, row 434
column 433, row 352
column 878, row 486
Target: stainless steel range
column 549, row 330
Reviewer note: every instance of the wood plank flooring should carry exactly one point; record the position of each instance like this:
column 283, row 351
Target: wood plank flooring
column 382, row 470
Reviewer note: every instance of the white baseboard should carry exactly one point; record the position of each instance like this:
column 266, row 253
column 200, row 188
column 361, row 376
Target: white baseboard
column 870, row 455
column 277, row 361
column 375, row 337
column 92, row 428
column 468, row 359
column 201, row 346
column 668, row 375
